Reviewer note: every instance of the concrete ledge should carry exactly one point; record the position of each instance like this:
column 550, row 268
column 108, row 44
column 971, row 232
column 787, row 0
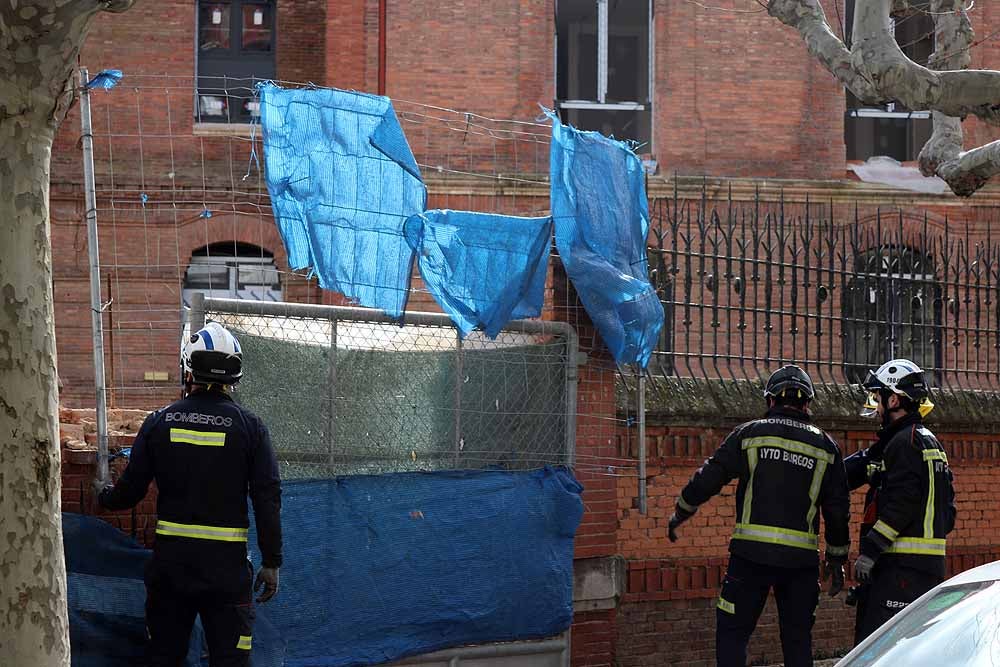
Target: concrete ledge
column 721, row 403
column 598, row 583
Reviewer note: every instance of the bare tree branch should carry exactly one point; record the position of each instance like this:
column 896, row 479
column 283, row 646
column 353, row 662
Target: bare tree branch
column 876, row 69
column 953, row 37
column 808, row 18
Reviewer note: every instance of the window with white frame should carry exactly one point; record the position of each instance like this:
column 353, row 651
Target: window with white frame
column 231, row 270
column 892, row 129
column 604, row 66
column 236, row 45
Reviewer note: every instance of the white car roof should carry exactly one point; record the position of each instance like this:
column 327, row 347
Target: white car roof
column 987, row 572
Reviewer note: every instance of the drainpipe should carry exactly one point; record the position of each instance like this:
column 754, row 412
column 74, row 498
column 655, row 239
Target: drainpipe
column 381, row 45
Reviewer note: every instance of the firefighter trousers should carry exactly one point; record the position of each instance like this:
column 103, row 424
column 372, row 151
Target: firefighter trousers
column 892, row 588
column 744, row 592
column 220, row 592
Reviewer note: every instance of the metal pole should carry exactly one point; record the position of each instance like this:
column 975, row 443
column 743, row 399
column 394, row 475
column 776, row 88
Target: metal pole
column 458, row 396
column 642, row 441
column 197, row 311
column 573, row 363
column 96, row 315
column 331, row 436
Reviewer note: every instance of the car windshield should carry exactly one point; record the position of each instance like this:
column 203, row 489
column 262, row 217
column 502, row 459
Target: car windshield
column 957, row 625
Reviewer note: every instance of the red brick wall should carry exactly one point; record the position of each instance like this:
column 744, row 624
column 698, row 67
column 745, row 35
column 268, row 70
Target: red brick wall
column 672, row 588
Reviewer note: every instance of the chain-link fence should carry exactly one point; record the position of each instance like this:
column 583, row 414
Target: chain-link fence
column 350, row 391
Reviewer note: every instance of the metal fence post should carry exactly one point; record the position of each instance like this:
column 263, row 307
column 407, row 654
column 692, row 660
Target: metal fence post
column 641, row 391
column 97, row 314
column 458, row 395
column 332, row 417
column 197, row 311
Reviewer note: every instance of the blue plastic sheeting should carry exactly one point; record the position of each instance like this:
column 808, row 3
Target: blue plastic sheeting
column 483, row 269
column 106, row 79
column 602, row 221
column 375, row 568
column 107, row 596
column 342, row 181
column 381, row 567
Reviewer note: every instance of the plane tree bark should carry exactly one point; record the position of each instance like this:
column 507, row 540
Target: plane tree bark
column 39, row 44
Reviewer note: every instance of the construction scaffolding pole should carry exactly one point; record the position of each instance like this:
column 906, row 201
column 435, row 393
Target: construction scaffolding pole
column 97, row 310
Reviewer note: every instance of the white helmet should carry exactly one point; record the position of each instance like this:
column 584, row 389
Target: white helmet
column 212, row 355
column 901, row 377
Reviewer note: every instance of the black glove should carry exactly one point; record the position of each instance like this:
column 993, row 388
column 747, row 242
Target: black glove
column 835, row 573
column 863, row 568
column 267, row 579
column 99, row 485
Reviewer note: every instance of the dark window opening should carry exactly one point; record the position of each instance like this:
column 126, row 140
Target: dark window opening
column 892, row 129
column 236, row 44
column 892, row 308
column 604, row 66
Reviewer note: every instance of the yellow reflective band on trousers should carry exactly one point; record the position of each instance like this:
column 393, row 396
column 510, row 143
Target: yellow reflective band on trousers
column 774, row 535
column 832, row 550
column 201, row 532
column 917, row 546
column 726, row 606
column 203, row 438
column 243, row 643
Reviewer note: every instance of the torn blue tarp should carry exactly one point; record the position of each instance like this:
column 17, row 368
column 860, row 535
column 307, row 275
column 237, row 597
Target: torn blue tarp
column 483, row 269
column 342, row 181
column 602, row 219
column 106, row 79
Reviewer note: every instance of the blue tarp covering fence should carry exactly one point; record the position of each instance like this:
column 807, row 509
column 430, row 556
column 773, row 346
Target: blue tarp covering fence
column 376, row 568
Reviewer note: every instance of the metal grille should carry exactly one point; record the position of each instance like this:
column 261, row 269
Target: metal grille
column 349, row 391
column 748, row 286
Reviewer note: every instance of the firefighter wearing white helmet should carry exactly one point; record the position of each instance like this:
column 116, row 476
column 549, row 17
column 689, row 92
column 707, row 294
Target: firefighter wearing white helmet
column 207, row 454
column 909, row 506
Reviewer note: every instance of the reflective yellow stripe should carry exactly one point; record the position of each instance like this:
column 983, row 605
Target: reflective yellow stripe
column 243, row 643
column 935, row 455
column 201, row 532
column 832, row 550
column 929, row 510
column 204, row 438
column 793, row 446
column 817, row 481
column 919, row 546
column 684, row 506
column 885, row 530
column 726, row 606
column 748, row 494
column 775, row 535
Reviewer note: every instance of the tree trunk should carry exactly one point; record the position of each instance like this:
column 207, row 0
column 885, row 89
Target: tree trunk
column 39, row 44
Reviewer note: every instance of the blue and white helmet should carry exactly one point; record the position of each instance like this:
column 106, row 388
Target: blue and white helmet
column 212, row 355
column 901, row 377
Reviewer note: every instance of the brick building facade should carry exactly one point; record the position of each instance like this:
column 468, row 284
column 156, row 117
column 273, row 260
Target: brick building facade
column 732, row 108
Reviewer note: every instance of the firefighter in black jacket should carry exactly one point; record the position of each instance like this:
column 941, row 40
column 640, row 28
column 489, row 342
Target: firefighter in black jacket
column 206, row 454
column 909, row 507
column 788, row 469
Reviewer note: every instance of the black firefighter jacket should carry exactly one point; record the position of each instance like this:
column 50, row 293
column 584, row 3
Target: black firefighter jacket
column 206, row 454
column 910, row 505
column 789, row 470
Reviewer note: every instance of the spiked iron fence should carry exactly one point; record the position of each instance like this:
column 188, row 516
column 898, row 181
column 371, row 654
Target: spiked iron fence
column 750, row 286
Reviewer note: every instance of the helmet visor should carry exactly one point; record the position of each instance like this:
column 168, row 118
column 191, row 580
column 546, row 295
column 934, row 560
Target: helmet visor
column 870, row 408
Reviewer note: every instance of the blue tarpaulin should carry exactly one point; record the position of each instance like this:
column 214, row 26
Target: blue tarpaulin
column 376, row 568
column 602, row 221
column 483, row 269
column 342, row 181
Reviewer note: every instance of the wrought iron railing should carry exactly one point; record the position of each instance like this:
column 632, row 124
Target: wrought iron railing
column 838, row 289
